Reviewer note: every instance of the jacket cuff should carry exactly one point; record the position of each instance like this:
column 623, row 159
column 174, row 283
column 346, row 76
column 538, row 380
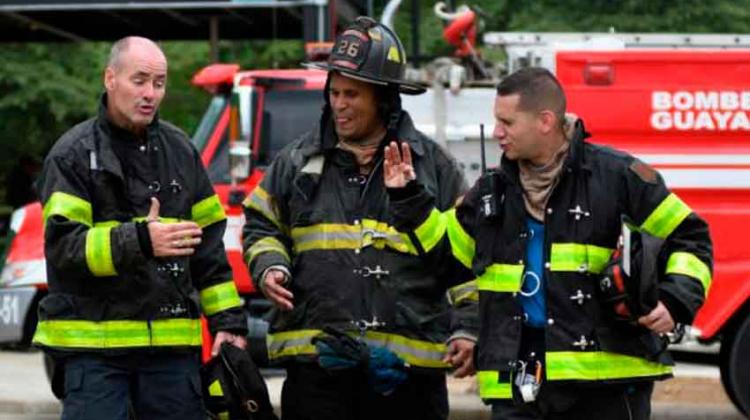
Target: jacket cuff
column 281, row 268
column 144, row 239
column 409, row 206
column 230, row 320
column 466, row 335
column 678, row 311
column 126, row 247
column 263, row 262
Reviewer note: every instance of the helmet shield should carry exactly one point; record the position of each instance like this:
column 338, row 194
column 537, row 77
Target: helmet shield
column 371, row 52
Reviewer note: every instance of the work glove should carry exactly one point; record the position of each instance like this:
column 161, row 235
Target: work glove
column 385, row 370
column 337, row 350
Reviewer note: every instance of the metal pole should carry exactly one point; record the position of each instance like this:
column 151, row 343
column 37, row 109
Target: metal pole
column 370, row 8
column 415, row 32
column 213, row 33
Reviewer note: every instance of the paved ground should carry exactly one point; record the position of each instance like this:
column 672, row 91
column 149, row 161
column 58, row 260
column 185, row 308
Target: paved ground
column 695, row 394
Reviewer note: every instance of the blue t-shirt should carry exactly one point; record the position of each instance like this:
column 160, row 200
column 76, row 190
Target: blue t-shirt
column 532, row 296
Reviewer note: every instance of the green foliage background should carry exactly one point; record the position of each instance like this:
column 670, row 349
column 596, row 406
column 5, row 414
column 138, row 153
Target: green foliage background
column 47, row 88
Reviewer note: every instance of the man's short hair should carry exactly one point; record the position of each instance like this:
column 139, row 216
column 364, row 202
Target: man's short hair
column 121, row 46
column 538, row 90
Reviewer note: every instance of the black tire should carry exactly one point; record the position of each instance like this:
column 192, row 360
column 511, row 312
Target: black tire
column 735, row 365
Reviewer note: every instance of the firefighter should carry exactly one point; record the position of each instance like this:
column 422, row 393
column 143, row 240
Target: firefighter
column 363, row 327
column 134, row 251
column 537, row 234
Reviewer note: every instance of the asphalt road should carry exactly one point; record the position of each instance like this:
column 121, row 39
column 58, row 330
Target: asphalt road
column 694, row 394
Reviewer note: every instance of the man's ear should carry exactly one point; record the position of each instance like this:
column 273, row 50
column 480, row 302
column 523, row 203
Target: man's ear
column 547, row 121
column 109, row 78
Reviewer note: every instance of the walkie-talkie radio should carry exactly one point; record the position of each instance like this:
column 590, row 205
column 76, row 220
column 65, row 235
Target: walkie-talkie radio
column 488, row 188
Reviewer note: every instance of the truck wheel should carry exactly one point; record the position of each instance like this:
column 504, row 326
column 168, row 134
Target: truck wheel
column 735, row 365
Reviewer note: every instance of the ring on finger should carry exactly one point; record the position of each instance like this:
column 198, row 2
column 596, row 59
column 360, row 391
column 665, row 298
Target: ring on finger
column 177, row 243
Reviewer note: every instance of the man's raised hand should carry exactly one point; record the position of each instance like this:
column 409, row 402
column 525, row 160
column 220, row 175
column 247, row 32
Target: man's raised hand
column 398, row 169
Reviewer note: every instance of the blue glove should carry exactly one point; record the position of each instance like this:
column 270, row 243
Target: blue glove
column 385, row 370
column 337, row 350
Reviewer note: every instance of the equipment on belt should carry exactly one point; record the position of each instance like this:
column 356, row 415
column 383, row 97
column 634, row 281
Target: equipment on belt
column 233, row 387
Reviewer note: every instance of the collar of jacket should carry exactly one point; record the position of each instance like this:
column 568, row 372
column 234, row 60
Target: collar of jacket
column 106, row 132
column 326, row 138
column 576, row 159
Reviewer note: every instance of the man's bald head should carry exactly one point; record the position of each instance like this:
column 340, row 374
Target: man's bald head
column 123, row 46
column 136, row 82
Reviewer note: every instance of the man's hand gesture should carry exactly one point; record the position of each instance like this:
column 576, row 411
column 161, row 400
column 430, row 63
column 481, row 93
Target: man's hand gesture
column 398, row 169
column 173, row 239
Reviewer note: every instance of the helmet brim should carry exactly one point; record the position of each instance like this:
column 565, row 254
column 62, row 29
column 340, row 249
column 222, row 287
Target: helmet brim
column 403, row 87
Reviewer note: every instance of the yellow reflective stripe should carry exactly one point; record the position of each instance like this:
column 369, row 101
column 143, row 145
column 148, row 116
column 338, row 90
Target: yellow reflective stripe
column 224, row 415
column 599, row 365
column 330, row 236
column 462, row 244
column 380, row 234
column 431, row 231
column 291, row 343
column 326, row 236
column 501, row 278
column 579, row 257
column 689, row 265
column 267, row 244
column 215, row 389
column 68, row 206
column 219, row 297
column 99, row 251
column 667, row 216
column 414, row 352
column 463, row 292
column 490, row 386
column 118, row 334
column 263, row 203
column 208, row 211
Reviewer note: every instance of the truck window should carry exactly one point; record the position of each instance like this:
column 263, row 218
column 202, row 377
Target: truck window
column 287, row 115
column 209, row 120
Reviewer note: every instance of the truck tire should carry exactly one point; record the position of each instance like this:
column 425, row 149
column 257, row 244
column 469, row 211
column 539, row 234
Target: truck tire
column 735, row 365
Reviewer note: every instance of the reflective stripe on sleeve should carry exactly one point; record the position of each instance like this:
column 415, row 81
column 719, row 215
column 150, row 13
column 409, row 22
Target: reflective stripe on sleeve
column 68, row 206
column 99, row 251
column 463, row 292
column 666, row 217
column 208, row 211
column 431, row 231
column 267, row 244
column 689, row 265
column 462, row 244
column 501, row 278
column 219, row 297
column 262, row 202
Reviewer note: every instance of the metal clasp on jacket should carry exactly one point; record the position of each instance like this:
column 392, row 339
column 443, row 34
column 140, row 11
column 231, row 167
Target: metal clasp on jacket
column 173, row 268
column 364, row 325
column 579, row 297
column 583, row 343
column 578, row 212
column 377, row 272
column 374, row 234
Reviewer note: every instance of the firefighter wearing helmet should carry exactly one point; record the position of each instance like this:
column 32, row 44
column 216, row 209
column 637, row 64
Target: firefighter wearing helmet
column 364, row 327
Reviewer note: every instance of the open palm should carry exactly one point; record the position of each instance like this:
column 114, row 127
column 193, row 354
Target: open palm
column 398, row 169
